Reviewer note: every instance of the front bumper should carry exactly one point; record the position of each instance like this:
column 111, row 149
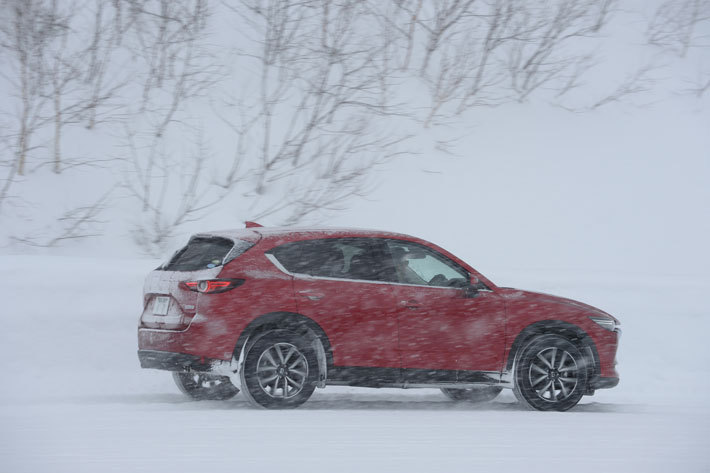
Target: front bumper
column 164, row 360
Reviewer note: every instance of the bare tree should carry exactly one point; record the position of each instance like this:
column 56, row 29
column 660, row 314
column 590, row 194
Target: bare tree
column 65, row 65
column 679, row 28
column 328, row 73
column 77, row 223
column 181, row 198
column 323, row 83
column 168, row 39
column 26, row 30
column 279, row 109
column 51, row 74
column 76, row 74
column 679, row 25
column 489, row 53
column 700, row 84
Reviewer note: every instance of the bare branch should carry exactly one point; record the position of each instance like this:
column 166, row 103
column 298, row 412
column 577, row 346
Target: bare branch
column 679, row 25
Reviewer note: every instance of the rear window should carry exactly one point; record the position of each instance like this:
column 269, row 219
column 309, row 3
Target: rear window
column 205, row 252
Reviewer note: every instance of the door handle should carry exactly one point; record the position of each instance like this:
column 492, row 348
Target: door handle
column 313, row 296
column 410, row 304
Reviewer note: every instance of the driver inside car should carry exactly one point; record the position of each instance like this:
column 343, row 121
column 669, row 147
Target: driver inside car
column 406, row 274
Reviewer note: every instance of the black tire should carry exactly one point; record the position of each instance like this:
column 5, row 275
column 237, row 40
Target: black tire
column 280, row 370
column 550, row 374
column 203, row 386
column 477, row 394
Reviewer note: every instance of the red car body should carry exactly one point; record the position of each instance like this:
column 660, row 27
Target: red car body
column 372, row 332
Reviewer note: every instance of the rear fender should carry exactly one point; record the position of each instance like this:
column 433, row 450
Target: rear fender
column 296, row 323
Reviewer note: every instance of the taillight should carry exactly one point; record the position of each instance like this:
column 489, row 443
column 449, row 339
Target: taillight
column 212, row 286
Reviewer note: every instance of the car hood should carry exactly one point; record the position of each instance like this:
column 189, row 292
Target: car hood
column 542, row 298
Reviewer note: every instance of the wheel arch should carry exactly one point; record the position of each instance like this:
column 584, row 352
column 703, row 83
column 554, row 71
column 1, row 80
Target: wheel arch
column 285, row 320
column 572, row 332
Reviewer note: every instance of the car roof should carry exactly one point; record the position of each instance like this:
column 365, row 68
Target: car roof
column 302, row 233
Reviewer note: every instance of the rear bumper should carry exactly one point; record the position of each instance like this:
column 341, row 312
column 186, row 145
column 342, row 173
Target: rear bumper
column 199, row 340
column 597, row 382
column 164, row 360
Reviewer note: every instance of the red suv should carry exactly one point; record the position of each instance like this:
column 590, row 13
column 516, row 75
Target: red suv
column 277, row 312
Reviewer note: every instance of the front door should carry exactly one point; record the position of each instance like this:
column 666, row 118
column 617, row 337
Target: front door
column 444, row 330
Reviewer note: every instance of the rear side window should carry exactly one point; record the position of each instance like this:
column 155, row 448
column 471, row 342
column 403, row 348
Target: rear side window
column 204, row 253
column 313, row 257
column 342, row 258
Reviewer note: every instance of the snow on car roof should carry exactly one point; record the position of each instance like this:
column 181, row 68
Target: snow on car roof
column 275, row 232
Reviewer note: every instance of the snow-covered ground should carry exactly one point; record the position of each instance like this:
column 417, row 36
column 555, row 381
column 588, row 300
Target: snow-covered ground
column 74, row 399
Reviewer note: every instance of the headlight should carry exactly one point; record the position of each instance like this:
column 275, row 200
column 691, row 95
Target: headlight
column 605, row 322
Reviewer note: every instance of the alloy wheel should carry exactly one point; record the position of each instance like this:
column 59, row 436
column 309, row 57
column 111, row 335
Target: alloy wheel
column 553, row 374
column 282, row 371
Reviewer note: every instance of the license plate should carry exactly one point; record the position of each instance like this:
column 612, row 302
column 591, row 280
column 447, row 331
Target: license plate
column 160, row 306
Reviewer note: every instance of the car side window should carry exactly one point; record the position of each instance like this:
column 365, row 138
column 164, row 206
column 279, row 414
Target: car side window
column 312, row 257
column 416, row 264
column 342, row 258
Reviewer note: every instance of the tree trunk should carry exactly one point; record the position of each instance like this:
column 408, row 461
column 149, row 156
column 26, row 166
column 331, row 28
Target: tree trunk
column 57, row 134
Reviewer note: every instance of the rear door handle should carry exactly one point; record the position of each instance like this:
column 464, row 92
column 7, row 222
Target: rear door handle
column 411, row 304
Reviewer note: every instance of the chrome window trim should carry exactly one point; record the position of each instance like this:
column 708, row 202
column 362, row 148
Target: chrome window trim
column 281, row 268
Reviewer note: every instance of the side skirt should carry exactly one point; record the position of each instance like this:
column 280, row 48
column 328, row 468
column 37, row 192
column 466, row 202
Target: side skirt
column 411, row 378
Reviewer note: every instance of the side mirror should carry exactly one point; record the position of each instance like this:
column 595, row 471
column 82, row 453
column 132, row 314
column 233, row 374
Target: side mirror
column 470, row 291
column 473, row 288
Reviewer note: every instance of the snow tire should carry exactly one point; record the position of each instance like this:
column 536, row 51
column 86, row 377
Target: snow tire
column 280, row 370
column 203, row 386
column 550, row 374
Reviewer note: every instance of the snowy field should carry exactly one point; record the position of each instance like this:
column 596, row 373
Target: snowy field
column 74, row 399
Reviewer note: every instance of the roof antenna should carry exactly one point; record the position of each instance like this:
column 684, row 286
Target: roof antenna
column 252, row 224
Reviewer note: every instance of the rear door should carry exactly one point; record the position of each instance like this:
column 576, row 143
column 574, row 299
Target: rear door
column 338, row 284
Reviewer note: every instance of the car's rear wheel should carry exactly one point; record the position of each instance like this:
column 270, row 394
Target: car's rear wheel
column 280, row 370
column 203, row 386
column 476, row 394
column 550, row 374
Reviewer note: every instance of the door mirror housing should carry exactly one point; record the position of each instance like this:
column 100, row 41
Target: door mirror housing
column 474, row 287
column 470, row 291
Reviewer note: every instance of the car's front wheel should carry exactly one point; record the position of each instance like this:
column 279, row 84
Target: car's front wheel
column 203, row 386
column 476, row 394
column 550, row 374
column 280, row 370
